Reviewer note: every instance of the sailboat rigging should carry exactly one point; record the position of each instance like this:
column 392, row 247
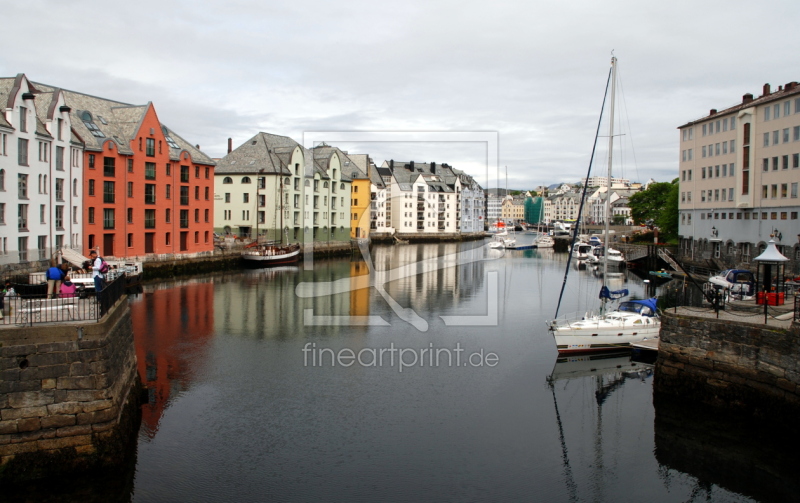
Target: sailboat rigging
column 634, row 320
column 271, row 253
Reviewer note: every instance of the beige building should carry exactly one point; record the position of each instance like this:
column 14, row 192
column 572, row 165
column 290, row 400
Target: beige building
column 739, row 174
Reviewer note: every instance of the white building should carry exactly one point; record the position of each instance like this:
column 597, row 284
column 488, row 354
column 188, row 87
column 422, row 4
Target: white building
column 602, row 181
column 424, row 197
column 41, row 180
column 471, row 204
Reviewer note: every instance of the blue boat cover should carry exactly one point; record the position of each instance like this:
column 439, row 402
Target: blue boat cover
column 637, row 305
column 605, row 293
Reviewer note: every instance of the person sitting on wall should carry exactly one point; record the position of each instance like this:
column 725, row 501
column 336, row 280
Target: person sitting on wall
column 68, row 288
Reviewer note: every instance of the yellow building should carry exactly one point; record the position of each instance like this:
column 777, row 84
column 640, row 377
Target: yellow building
column 357, row 167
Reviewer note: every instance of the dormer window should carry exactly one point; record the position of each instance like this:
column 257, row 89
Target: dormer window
column 88, row 121
column 169, row 139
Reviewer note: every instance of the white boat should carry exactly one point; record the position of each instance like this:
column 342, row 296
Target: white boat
column 739, row 283
column 544, row 241
column 581, row 251
column 633, row 321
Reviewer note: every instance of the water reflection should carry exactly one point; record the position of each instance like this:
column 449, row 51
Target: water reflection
column 173, row 324
column 739, row 454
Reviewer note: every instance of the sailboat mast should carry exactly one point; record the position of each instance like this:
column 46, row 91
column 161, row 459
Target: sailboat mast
column 610, row 152
column 280, row 206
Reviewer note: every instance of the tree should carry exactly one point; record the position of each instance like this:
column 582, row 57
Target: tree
column 646, row 206
column 667, row 220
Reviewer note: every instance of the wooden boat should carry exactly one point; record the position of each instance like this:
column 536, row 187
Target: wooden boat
column 272, row 254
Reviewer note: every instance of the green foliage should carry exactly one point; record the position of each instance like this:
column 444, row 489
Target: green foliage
column 657, row 205
column 667, row 220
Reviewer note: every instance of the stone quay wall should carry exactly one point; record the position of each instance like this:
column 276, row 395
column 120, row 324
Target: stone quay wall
column 63, row 391
column 733, row 365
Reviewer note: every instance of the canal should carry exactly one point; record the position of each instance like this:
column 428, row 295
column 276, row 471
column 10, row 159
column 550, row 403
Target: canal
column 432, row 379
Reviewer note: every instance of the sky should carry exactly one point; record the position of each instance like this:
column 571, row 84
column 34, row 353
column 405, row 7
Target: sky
column 534, row 73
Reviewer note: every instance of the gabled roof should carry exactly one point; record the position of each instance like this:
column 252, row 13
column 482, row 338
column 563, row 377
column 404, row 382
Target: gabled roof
column 264, row 151
column 97, row 120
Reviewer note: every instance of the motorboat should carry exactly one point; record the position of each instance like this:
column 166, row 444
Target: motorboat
column 581, row 251
column 740, row 283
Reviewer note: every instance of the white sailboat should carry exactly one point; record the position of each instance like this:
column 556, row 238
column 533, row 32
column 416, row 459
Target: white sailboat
column 633, row 321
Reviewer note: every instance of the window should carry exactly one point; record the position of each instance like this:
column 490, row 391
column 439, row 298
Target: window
column 23, row 119
column 227, row 179
column 794, row 190
column 184, row 195
column 245, row 198
column 23, row 217
column 59, row 189
column 786, row 135
column 169, row 169
column 22, row 154
column 206, row 193
column 704, row 131
column 108, row 192
column 149, row 219
column 42, row 214
column 785, row 162
column 775, row 137
column 150, row 193
column 130, row 165
column 130, row 189
column 168, row 215
column 2, row 213
column 765, row 164
column 776, row 111
column 197, row 171
column 774, row 190
column 130, row 215
column 184, row 219
column 766, row 137
column 704, row 151
column 724, row 147
column 775, row 163
column 168, row 192
column 150, row 150
column 197, row 193
column 197, row 215
column 690, row 154
column 150, row 171
column 91, row 161
column 766, row 113
column 732, row 145
column 60, row 158
column 185, row 174
column 208, row 171
column 108, row 218
column 205, row 214
column 108, row 166
column 22, row 186
column 75, row 187
column 91, row 215
column 730, row 194
column 784, row 189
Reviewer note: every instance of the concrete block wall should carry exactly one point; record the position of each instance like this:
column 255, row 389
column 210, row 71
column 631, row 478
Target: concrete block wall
column 735, row 365
column 64, row 387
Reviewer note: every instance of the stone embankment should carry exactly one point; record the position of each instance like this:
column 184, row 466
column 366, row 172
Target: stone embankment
column 68, row 396
column 732, row 364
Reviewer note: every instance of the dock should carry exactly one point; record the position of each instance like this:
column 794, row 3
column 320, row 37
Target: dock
column 646, row 345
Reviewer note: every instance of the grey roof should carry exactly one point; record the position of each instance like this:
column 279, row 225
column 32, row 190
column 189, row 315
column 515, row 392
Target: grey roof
column 5, row 88
column 264, row 151
column 116, row 121
column 783, row 92
column 322, row 155
column 407, row 173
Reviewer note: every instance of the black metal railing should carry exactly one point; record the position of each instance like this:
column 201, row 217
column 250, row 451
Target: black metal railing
column 28, row 309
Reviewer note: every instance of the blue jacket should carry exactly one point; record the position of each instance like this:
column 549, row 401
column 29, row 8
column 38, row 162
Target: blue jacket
column 55, row 273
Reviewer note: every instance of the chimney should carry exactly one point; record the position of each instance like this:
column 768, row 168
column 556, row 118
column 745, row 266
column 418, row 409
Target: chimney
column 391, row 164
column 197, row 147
column 766, row 90
column 713, row 111
column 433, row 168
column 411, row 165
column 790, row 86
column 747, row 98
column 230, row 145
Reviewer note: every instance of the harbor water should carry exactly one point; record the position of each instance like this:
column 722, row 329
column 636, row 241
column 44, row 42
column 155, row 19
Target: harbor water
column 417, row 373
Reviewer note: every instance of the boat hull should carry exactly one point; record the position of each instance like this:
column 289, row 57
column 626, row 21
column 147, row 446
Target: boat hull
column 260, row 260
column 594, row 339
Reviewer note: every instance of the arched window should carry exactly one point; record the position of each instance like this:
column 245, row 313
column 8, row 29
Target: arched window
column 341, row 186
column 325, row 185
column 287, row 181
column 75, row 187
column 308, row 183
column 227, row 179
column 334, row 174
column 40, row 184
column 246, row 179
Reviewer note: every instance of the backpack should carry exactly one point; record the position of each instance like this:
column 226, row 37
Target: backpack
column 103, row 266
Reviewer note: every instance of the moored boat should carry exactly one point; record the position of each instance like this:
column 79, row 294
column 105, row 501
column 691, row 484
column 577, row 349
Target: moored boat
column 272, row 254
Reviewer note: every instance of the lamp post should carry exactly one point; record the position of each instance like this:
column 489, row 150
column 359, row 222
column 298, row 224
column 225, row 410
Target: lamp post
column 769, row 258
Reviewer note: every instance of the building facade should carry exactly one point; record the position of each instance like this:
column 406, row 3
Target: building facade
column 739, row 173
column 471, row 204
column 272, row 187
column 41, row 173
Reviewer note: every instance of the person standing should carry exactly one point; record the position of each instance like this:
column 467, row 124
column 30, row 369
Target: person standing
column 99, row 278
column 55, row 275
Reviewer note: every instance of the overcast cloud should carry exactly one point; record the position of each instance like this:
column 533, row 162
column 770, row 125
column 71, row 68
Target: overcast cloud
column 534, row 72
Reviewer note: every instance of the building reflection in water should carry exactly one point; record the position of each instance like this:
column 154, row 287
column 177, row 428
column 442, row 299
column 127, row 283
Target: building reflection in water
column 744, row 455
column 172, row 325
